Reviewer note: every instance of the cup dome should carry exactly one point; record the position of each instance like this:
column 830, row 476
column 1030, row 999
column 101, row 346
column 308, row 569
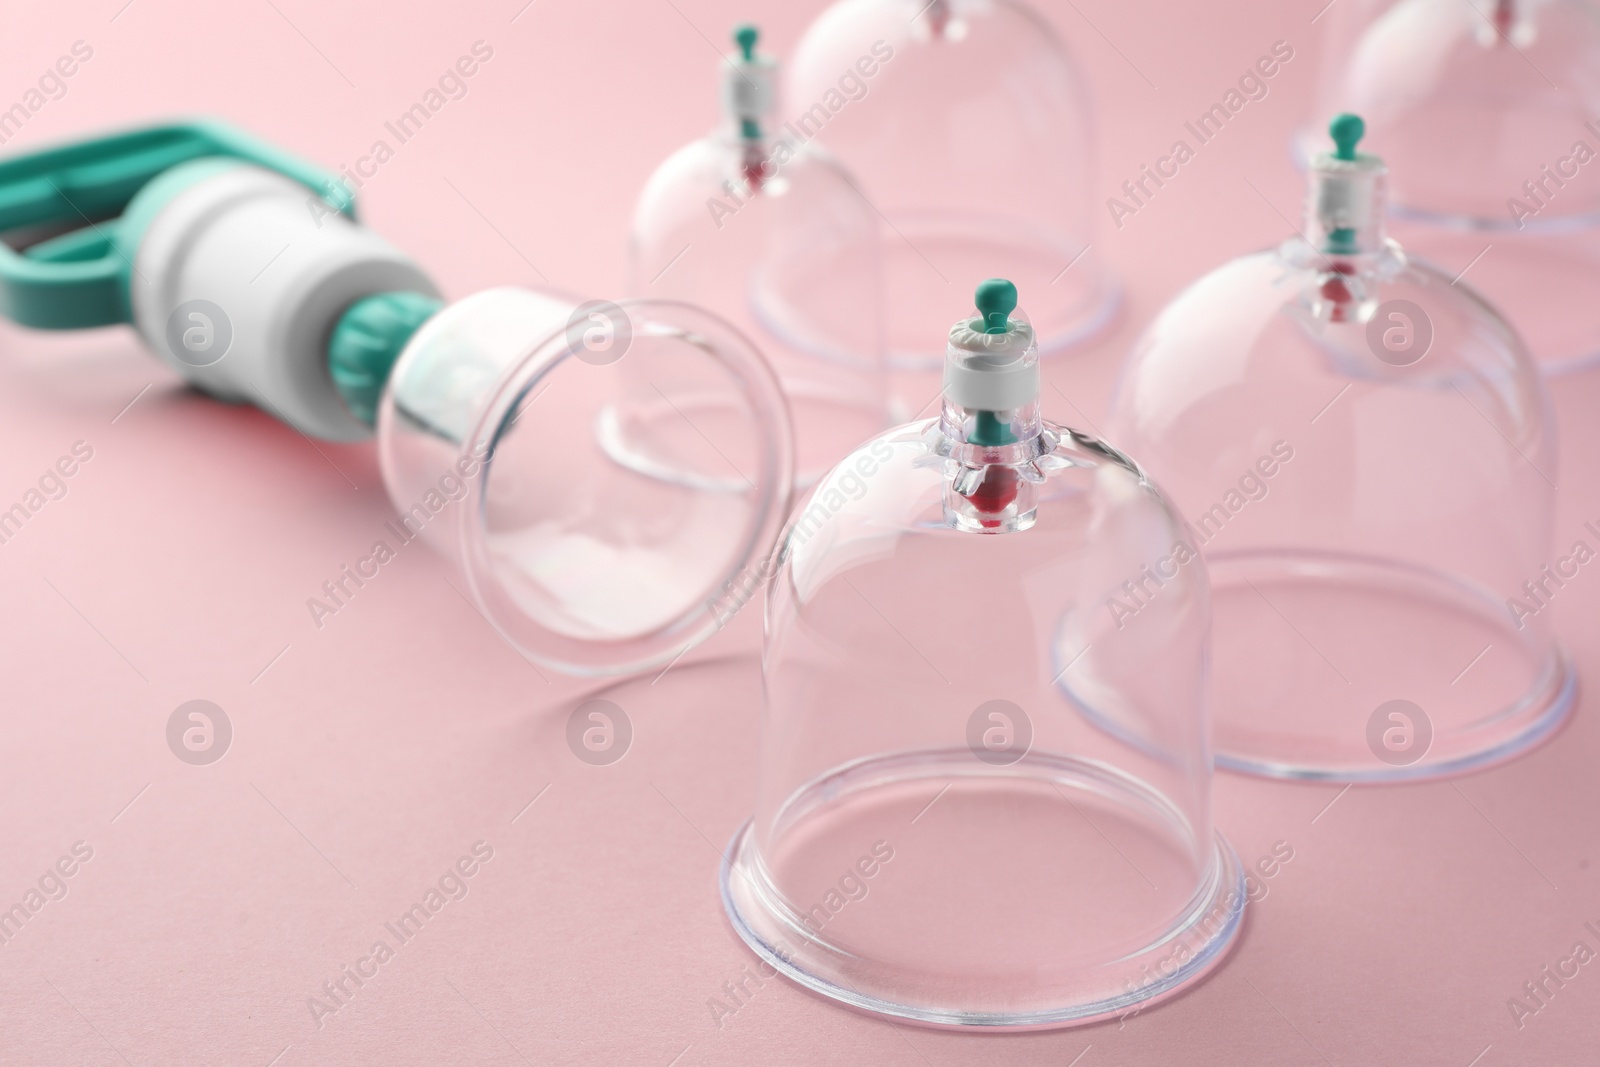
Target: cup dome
column 768, row 232
column 969, row 128
column 941, row 834
column 1489, row 113
column 1363, row 451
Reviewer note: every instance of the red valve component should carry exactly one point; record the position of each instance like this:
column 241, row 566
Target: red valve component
column 995, row 493
column 1504, row 16
column 1337, row 293
column 754, row 167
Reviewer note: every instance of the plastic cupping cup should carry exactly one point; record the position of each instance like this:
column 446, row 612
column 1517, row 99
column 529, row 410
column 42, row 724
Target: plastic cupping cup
column 940, row 833
column 970, row 129
column 1363, row 451
column 1489, row 113
column 767, row 231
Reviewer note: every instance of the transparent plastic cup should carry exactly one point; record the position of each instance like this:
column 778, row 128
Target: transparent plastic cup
column 768, row 232
column 1363, row 450
column 941, row 834
column 970, row 130
column 1488, row 111
column 493, row 438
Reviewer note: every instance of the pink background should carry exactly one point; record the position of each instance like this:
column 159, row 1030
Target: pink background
column 370, row 754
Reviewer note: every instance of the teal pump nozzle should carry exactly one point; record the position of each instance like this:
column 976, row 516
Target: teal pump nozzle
column 991, row 371
column 745, row 35
column 366, row 342
column 1347, row 193
column 1346, row 130
column 996, row 299
column 991, row 415
column 748, row 92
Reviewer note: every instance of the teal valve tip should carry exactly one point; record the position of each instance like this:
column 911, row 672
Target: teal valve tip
column 746, row 36
column 1346, row 131
column 996, row 299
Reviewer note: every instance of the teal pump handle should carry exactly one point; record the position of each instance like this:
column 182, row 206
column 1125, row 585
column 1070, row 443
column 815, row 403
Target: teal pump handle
column 66, row 246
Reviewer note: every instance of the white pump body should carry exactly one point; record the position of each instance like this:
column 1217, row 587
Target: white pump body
column 275, row 267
